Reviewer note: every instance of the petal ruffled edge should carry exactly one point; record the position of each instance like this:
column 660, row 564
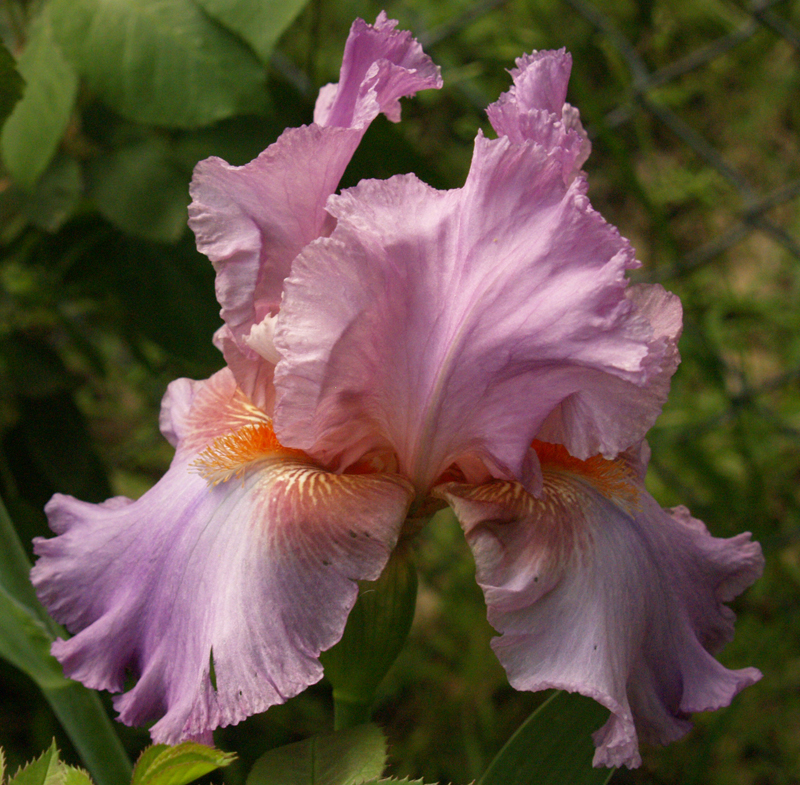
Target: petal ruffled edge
column 249, row 579
column 503, row 301
column 380, row 65
column 596, row 589
column 534, row 109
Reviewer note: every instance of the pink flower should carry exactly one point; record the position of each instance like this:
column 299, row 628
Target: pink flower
column 391, row 348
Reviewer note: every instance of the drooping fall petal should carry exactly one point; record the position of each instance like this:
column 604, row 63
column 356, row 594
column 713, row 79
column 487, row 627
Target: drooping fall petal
column 217, row 598
column 597, row 590
column 252, row 220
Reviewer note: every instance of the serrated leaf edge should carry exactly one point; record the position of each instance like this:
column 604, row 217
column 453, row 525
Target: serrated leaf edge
column 167, row 758
column 51, row 750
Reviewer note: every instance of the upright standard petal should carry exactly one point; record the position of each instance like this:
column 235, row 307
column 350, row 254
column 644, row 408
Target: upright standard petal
column 449, row 325
column 217, row 598
column 597, row 590
column 535, row 109
column 380, row 65
column 252, row 220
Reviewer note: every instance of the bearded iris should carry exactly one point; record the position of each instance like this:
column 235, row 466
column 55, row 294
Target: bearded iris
column 389, row 349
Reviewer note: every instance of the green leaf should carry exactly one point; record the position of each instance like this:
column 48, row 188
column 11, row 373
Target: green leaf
column 75, row 776
column 393, row 781
column 347, row 757
column 83, row 717
column 2, row 766
column 552, row 747
column 141, row 190
column 165, row 765
column 163, row 62
column 15, row 569
column 11, row 85
column 55, row 197
column 35, row 128
column 259, row 22
column 25, row 643
column 46, row 770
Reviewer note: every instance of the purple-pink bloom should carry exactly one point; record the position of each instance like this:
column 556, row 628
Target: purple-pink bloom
column 253, row 220
column 391, row 348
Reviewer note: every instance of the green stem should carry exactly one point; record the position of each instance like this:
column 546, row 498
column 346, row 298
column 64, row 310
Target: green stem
column 85, row 721
column 349, row 712
column 376, row 631
column 78, row 710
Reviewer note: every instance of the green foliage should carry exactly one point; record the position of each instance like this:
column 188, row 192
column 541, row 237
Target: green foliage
column 38, row 123
column 158, row 765
column 45, row 769
column 25, row 643
column 11, row 83
column 375, row 633
column 259, row 22
column 75, row 776
column 552, row 747
column 162, row 62
column 393, row 781
column 346, row 757
column 178, row 765
column 139, row 188
column 56, row 194
column 48, row 769
column 14, row 569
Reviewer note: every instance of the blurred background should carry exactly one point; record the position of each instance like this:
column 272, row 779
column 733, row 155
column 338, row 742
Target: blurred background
column 694, row 113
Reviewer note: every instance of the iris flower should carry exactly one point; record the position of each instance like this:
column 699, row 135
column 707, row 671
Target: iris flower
column 392, row 348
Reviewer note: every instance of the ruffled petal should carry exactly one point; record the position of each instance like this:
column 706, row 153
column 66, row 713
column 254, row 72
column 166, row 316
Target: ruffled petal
column 252, row 220
column 597, row 590
column 451, row 324
column 380, row 65
column 218, row 599
column 583, row 419
column 534, row 109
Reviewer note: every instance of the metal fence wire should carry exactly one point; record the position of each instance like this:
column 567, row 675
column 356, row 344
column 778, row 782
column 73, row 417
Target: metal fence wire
column 753, row 214
column 755, row 204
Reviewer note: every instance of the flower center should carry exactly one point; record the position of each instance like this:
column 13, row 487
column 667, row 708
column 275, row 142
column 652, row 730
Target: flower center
column 615, row 479
column 231, row 454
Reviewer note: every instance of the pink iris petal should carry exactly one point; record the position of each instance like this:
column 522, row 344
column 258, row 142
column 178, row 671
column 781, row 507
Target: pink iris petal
column 380, row 65
column 581, row 420
column 252, row 220
column 596, row 589
column 252, row 577
column 451, row 324
column 535, row 109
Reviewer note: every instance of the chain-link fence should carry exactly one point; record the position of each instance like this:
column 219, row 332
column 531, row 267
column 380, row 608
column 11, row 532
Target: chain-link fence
column 755, row 204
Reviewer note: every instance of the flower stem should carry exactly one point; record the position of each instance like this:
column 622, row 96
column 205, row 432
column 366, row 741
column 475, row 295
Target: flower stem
column 375, row 633
column 349, row 712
